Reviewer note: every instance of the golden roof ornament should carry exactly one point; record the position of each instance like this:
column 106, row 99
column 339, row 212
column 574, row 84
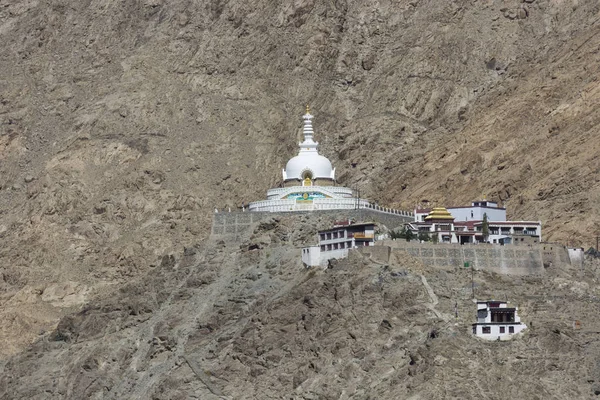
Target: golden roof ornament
column 439, row 213
column 307, row 109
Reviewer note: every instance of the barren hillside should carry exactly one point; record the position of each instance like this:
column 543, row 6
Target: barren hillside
column 124, row 124
column 247, row 321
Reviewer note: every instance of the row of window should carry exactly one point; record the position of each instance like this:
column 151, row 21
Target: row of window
column 332, row 235
column 503, row 317
column 493, row 231
column 488, row 330
column 336, row 246
column 342, row 245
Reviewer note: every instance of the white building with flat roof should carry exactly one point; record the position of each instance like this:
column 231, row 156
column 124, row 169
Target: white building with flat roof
column 497, row 321
column 474, row 212
column 477, row 209
column 337, row 241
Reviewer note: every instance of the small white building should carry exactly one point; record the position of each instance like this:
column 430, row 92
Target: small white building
column 477, row 209
column 474, row 212
column 497, row 321
column 576, row 255
column 335, row 243
column 311, row 256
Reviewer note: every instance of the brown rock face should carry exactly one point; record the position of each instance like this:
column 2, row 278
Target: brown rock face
column 124, row 124
column 226, row 321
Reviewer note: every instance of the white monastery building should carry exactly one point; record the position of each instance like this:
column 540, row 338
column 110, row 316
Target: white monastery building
column 335, row 243
column 497, row 321
column 309, row 182
column 465, row 225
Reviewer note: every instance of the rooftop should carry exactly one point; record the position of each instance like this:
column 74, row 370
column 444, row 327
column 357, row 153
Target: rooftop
column 439, row 213
column 337, row 228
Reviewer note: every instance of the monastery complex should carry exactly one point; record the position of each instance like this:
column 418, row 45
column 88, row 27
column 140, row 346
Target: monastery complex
column 465, row 225
column 309, row 184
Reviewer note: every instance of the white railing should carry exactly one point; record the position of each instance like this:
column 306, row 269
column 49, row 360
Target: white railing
column 283, row 205
column 388, row 210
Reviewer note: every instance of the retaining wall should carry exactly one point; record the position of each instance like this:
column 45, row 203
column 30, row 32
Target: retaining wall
column 513, row 260
column 233, row 225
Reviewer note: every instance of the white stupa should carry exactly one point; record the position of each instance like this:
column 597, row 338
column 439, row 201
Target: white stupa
column 308, row 182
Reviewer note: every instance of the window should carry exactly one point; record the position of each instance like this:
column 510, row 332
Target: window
column 511, row 329
column 471, row 213
column 502, row 329
column 486, row 330
column 322, row 236
column 342, row 245
column 322, row 247
column 348, row 244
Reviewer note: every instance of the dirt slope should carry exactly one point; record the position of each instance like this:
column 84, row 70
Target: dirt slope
column 228, row 322
column 124, row 124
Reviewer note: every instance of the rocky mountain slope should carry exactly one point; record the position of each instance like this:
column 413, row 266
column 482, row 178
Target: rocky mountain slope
column 224, row 321
column 124, row 124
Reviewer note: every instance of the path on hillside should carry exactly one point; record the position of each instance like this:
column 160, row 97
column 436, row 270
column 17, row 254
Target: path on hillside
column 434, row 300
column 196, row 307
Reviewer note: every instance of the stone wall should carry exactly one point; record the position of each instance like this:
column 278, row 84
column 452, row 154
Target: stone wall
column 233, row 225
column 377, row 253
column 513, row 260
column 554, row 254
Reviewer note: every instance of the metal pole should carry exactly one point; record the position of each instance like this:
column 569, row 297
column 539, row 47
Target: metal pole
column 472, row 284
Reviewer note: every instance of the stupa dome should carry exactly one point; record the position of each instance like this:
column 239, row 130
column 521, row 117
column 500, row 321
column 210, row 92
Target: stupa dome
column 308, row 163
